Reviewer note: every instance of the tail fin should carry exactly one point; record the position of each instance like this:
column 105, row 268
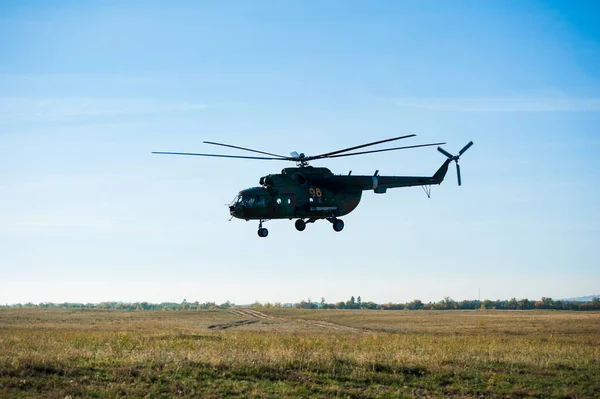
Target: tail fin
column 438, row 177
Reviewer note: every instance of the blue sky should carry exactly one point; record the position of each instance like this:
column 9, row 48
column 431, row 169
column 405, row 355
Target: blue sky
column 89, row 89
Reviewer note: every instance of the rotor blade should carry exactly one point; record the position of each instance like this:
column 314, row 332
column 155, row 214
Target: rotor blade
column 385, row 149
column 458, row 173
column 446, row 153
column 245, row 149
column 221, row 156
column 465, row 148
column 326, row 155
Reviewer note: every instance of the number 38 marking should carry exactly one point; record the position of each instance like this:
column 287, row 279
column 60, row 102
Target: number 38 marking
column 315, row 191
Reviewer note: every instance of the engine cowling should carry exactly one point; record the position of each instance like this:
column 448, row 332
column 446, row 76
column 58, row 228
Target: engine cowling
column 266, row 181
column 299, row 178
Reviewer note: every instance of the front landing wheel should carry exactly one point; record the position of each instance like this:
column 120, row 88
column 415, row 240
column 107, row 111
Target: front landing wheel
column 262, row 232
column 300, row 225
column 338, row 225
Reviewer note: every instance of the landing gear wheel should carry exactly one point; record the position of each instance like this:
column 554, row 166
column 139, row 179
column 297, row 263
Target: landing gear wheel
column 338, row 225
column 262, row 232
column 300, row 225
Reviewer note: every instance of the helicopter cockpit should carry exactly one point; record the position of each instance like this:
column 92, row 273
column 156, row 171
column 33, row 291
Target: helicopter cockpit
column 244, row 200
column 249, row 203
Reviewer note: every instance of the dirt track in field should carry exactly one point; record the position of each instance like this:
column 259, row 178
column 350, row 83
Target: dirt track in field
column 232, row 324
column 254, row 316
column 252, row 313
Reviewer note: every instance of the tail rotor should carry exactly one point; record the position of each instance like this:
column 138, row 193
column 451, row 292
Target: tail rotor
column 465, row 148
column 455, row 158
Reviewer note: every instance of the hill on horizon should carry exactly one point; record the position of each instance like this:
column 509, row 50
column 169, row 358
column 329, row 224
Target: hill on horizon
column 588, row 298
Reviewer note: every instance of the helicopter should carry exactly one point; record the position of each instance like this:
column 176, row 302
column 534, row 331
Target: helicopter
column 308, row 194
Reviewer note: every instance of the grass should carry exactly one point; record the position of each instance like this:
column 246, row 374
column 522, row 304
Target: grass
column 299, row 353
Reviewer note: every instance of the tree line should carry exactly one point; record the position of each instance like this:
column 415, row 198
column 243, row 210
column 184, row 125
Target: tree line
column 126, row 306
column 449, row 304
column 353, row 303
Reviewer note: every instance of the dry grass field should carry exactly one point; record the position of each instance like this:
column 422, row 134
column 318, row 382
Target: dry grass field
column 299, row 353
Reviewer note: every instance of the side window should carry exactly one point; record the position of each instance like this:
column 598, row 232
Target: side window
column 260, row 202
column 279, row 201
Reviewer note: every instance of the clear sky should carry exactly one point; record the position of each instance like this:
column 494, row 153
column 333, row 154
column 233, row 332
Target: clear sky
column 88, row 89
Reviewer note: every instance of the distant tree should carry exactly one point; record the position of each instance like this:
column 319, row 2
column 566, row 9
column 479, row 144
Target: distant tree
column 511, row 304
column 449, row 302
column 184, row 305
column 369, row 305
column 545, row 303
column 307, row 304
column 486, row 304
column 469, row 305
column 557, row 305
column 359, row 301
column 207, row 305
column 415, row 305
column 445, row 304
column 301, row 305
column 524, row 304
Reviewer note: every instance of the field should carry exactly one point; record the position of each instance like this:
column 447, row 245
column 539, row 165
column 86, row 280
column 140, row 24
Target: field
column 299, row 353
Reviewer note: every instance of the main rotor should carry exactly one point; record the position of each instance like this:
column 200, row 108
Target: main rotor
column 301, row 159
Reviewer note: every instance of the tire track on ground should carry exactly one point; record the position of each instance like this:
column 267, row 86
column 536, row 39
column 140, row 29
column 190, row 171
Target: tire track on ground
column 237, row 312
column 255, row 313
column 232, row 324
column 260, row 316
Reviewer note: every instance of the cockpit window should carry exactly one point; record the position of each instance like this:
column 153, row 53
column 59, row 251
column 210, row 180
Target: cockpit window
column 236, row 200
column 248, row 201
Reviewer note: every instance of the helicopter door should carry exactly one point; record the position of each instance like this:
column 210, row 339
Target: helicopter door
column 285, row 205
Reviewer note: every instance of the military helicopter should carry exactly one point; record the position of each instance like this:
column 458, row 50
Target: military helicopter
column 309, row 194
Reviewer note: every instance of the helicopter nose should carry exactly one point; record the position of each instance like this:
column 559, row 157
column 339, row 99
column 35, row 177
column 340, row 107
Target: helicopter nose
column 236, row 211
